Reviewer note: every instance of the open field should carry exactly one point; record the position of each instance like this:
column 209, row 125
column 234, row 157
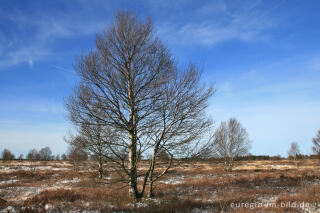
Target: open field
column 265, row 186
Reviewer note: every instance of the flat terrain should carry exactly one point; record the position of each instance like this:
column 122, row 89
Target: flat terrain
column 252, row 186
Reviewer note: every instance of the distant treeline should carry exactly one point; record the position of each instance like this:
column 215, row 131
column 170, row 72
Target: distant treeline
column 254, row 158
column 46, row 154
column 277, row 157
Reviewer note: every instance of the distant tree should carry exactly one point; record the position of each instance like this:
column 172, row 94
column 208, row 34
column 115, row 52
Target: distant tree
column 231, row 140
column 7, row 155
column 45, row 153
column 163, row 156
column 76, row 153
column 95, row 140
column 64, row 157
column 316, row 144
column 20, row 157
column 57, row 157
column 221, row 143
column 294, row 150
column 33, row 154
column 277, row 157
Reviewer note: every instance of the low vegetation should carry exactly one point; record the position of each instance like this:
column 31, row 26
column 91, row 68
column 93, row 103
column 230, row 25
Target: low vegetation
column 265, row 185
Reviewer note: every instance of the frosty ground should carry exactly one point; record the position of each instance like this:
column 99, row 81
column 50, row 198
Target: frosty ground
column 265, row 186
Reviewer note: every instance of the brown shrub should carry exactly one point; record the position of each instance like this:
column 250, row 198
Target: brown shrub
column 53, row 196
column 183, row 206
column 310, row 195
column 32, row 175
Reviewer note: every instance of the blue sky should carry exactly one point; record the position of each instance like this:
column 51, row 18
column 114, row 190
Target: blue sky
column 264, row 57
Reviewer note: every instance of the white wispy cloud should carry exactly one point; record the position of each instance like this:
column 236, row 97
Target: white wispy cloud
column 26, row 47
column 63, row 69
column 23, row 54
column 246, row 23
column 166, row 4
column 31, row 106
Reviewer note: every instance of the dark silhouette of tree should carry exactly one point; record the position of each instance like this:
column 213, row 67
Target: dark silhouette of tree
column 76, row 153
column 64, row 157
column 45, row 153
column 95, row 140
column 316, row 144
column 20, row 157
column 33, row 154
column 7, row 155
column 57, row 157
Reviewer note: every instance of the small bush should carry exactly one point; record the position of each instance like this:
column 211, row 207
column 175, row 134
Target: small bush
column 54, row 196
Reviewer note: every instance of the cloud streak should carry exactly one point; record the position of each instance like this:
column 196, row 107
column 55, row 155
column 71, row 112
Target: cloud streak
column 40, row 31
column 246, row 23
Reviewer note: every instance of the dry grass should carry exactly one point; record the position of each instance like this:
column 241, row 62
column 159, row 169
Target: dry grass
column 188, row 187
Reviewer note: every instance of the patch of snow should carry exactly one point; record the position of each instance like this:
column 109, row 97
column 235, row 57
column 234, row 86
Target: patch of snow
column 197, row 210
column 21, row 192
column 28, row 167
column 44, row 167
column 7, row 182
column 139, row 204
column 172, row 181
column 154, row 200
column 62, row 184
column 107, row 178
column 74, row 180
column 48, row 206
column 33, row 191
column 10, row 209
column 59, row 169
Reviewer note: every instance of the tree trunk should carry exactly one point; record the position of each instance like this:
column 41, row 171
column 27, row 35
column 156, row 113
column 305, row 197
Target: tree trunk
column 100, row 157
column 231, row 163
column 133, row 189
column 74, row 165
column 100, row 168
column 225, row 162
column 150, row 193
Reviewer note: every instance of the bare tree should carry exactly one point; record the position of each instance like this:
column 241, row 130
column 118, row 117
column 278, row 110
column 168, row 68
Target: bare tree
column 294, row 150
column 76, row 153
column 163, row 156
column 7, row 155
column 95, row 141
column 33, row 154
column 231, row 140
column 64, row 157
column 180, row 119
column 316, row 144
column 45, row 153
column 126, row 84
column 20, row 157
column 221, row 143
column 57, row 157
